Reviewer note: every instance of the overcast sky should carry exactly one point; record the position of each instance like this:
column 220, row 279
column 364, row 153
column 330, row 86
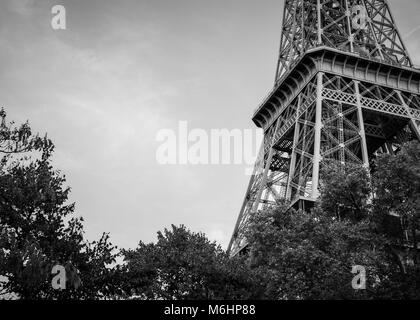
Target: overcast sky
column 123, row 70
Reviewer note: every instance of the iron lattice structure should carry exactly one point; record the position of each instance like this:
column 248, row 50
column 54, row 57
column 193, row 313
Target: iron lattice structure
column 345, row 90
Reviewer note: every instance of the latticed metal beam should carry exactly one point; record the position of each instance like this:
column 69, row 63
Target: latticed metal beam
column 331, row 119
column 364, row 27
column 329, row 104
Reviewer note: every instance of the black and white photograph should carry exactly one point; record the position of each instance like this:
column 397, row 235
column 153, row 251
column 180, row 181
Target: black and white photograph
column 209, row 156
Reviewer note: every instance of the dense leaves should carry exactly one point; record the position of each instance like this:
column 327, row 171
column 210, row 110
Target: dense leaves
column 368, row 219
column 38, row 227
column 185, row 265
column 311, row 255
column 397, row 189
column 345, row 191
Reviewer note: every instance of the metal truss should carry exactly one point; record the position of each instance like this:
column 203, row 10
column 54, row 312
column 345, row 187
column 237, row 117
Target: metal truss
column 332, row 118
column 346, row 105
column 363, row 27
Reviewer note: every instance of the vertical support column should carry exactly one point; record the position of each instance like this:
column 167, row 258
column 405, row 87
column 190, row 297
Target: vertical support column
column 266, row 169
column 349, row 27
column 302, row 21
column 317, row 143
column 365, row 154
column 319, row 9
column 246, row 199
column 292, row 168
column 301, row 162
column 372, row 31
column 280, row 65
column 413, row 123
column 342, row 154
column 416, row 127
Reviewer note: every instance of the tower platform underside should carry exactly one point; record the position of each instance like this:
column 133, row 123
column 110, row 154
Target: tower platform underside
column 331, row 105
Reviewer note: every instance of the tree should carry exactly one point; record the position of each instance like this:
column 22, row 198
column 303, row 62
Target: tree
column 183, row 265
column 309, row 255
column 38, row 228
column 361, row 219
column 397, row 189
column 396, row 211
column 345, row 190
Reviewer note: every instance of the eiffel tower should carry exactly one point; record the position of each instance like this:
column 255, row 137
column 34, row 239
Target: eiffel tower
column 345, row 90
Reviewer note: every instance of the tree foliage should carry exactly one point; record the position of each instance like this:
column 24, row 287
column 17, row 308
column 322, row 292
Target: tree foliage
column 310, row 255
column 345, row 191
column 183, row 265
column 38, row 227
column 397, row 189
column 362, row 218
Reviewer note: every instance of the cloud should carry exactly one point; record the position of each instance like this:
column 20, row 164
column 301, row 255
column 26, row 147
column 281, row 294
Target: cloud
column 21, row 7
column 122, row 71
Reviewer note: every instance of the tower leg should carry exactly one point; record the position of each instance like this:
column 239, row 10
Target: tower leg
column 266, row 170
column 413, row 124
column 365, row 155
column 317, row 143
column 293, row 161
